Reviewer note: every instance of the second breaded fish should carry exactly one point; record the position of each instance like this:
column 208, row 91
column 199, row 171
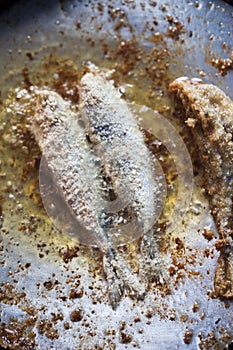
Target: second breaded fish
column 209, row 116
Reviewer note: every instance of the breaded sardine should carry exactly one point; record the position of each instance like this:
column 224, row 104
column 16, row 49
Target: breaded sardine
column 209, row 116
column 103, row 169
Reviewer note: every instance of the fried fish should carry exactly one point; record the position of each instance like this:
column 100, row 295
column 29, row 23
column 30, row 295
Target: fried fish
column 208, row 113
column 103, row 169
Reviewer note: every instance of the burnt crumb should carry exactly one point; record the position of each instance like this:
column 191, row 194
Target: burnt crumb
column 172, row 270
column 66, row 325
column 195, row 307
column 179, row 243
column 129, row 53
column 65, row 78
column 175, row 29
column 78, row 25
column 29, row 225
column 188, row 335
column 184, row 318
column 8, row 294
column 125, row 337
column 122, row 325
column 18, row 335
column 69, row 254
column 50, row 284
column 31, row 311
column 46, row 327
column 30, row 56
column 170, row 19
column 223, row 64
column 110, row 332
column 63, row 298
column 149, row 313
column 153, row 3
column 215, row 341
column 57, row 317
column 163, row 8
column 76, row 293
column 208, row 234
column 76, row 315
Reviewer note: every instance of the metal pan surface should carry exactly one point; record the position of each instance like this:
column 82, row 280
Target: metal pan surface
column 52, row 290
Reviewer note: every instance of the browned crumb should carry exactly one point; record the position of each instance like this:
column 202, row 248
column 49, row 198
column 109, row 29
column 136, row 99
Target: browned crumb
column 208, row 234
column 175, row 29
column 125, row 338
column 8, row 294
column 76, row 315
column 188, row 336
column 76, row 293
column 69, row 254
column 223, row 64
column 195, row 307
column 17, row 335
column 46, row 327
column 214, row 341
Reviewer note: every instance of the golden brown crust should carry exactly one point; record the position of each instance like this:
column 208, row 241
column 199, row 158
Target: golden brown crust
column 209, row 116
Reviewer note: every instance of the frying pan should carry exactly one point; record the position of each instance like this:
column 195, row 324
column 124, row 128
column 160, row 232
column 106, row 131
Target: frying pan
column 53, row 292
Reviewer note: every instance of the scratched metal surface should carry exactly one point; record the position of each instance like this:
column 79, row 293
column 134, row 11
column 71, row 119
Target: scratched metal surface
column 36, row 279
